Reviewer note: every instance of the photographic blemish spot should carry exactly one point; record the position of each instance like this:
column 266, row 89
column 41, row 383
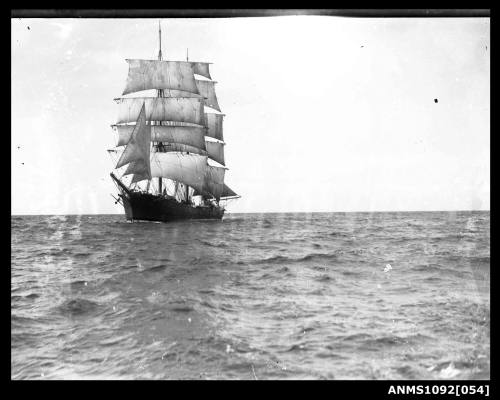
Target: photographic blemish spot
column 435, row 100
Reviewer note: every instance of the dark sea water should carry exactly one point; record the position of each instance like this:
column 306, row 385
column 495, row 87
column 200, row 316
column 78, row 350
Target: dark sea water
column 255, row 296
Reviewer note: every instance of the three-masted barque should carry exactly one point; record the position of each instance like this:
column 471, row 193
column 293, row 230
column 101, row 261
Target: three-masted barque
column 170, row 147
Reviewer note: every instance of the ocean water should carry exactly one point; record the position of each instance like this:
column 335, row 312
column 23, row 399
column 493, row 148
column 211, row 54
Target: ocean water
column 255, row 296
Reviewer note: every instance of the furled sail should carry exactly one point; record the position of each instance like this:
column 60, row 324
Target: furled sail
column 189, row 169
column 214, row 181
column 137, row 149
column 216, row 151
column 207, row 90
column 156, row 74
column 201, row 68
column 189, row 135
column 181, row 109
column 214, row 123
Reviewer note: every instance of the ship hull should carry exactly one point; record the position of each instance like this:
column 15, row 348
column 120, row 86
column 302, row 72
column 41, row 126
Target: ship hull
column 148, row 207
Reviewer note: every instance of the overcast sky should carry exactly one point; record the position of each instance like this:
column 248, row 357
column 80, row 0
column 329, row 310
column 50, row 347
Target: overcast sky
column 322, row 113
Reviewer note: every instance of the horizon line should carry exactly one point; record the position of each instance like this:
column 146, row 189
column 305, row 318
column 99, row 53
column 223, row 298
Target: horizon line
column 281, row 212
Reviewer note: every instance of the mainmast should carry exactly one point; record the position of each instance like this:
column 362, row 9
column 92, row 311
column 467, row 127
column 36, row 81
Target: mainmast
column 159, row 37
column 160, row 94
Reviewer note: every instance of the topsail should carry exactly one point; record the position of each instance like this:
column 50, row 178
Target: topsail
column 157, row 74
column 207, row 90
column 179, row 109
column 201, row 68
column 189, row 135
column 214, row 125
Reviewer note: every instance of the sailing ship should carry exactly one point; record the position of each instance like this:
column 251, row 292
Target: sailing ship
column 170, row 146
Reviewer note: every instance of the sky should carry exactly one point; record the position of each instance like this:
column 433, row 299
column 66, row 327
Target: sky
column 322, row 113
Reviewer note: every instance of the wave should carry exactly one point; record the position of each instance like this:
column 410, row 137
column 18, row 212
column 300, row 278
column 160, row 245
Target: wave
column 284, row 269
column 479, row 260
column 297, row 348
column 181, row 309
column 78, row 284
column 77, row 307
column 339, row 234
column 218, row 244
column 351, row 273
column 26, row 296
column 427, row 267
column 371, row 342
column 115, row 340
column 355, row 337
column 308, row 257
column 82, row 255
column 181, row 306
column 156, row 268
column 266, row 224
column 18, row 319
column 325, row 278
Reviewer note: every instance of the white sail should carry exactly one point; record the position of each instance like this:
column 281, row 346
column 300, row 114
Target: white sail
column 183, row 148
column 180, row 93
column 201, row 68
column 189, row 169
column 215, row 151
column 139, row 177
column 189, row 135
column 156, row 74
column 214, row 124
column 214, row 181
column 207, row 90
column 227, row 192
column 140, row 170
column 137, row 149
column 182, row 109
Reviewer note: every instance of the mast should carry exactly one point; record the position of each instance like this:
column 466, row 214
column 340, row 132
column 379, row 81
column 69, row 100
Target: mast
column 187, row 187
column 159, row 37
column 159, row 94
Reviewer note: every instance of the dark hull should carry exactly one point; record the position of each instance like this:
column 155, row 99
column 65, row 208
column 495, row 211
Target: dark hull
column 148, row 207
